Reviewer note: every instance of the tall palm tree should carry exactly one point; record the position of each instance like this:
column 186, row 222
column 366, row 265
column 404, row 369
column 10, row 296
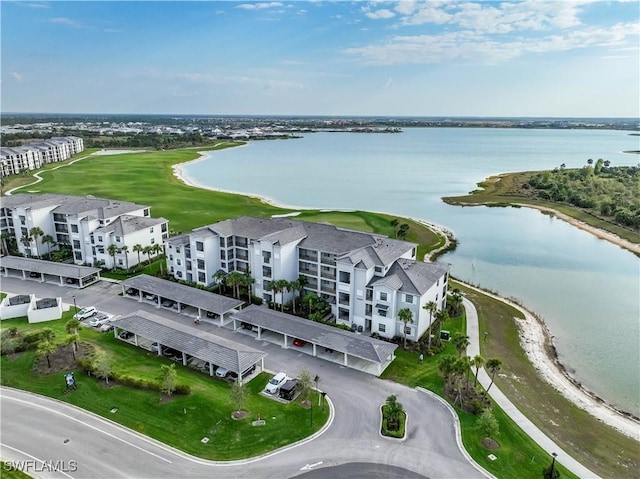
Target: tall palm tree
column 125, row 250
column 477, row 362
column 148, row 250
column 295, row 287
column 112, row 249
column 455, row 302
column 36, row 232
column 445, row 367
column 219, row 278
column 493, row 365
column 48, row 240
column 158, row 249
column 137, row 248
column 247, row 282
column 460, row 367
column 285, row 286
column 394, row 222
column 460, row 341
column 406, row 316
column 26, row 240
column 6, row 239
column 441, row 317
column 431, row 308
column 234, row 279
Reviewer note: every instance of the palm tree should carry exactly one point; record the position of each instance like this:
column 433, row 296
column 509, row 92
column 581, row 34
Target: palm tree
column 148, row 250
column 460, row 341
column 309, row 300
column 125, row 250
column 46, row 348
column 112, row 249
column 159, row 250
column 455, row 302
column 393, row 411
column 234, row 279
column 406, row 316
column 460, row 367
column 247, row 281
column 276, row 288
column 441, row 317
column 26, row 240
column 36, row 232
column 394, row 222
column 493, row 365
column 402, row 231
column 48, row 240
column 431, row 307
column 6, row 238
column 445, row 366
column 138, row 249
column 295, row 287
column 219, row 278
column 285, row 286
column 477, row 362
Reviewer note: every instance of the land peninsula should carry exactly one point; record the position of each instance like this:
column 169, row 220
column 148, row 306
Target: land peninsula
column 158, row 179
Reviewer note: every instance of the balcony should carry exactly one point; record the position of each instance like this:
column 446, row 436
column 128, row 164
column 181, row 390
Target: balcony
column 328, row 259
column 307, row 270
column 328, row 274
column 328, row 288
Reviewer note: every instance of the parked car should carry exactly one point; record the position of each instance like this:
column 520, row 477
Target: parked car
column 151, row 297
column 71, row 281
column 154, row 347
column 168, row 303
column 98, row 320
column 288, row 389
column 275, row 382
column 222, row 372
column 245, row 373
column 299, row 342
column 125, row 335
column 132, row 291
column 170, row 353
column 33, row 274
column 211, row 315
column 85, row 313
column 106, row 326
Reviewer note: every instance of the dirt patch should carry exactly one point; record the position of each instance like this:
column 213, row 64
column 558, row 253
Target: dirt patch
column 62, row 361
column 306, row 404
column 165, row 398
column 237, row 415
column 490, row 444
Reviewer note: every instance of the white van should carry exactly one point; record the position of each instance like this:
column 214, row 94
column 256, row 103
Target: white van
column 222, row 372
column 275, row 382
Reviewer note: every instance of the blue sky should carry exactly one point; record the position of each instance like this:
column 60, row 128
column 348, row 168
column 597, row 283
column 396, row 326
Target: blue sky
column 429, row 58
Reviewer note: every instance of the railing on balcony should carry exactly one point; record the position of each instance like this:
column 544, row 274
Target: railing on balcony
column 328, row 274
column 309, row 271
column 328, row 259
column 328, row 288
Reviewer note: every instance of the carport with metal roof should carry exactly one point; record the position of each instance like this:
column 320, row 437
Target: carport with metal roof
column 359, row 351
column 203, row 301
column 63, row 274
column 191, row 341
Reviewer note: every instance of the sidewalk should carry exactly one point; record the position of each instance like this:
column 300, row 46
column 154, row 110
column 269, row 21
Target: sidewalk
column 520, row 419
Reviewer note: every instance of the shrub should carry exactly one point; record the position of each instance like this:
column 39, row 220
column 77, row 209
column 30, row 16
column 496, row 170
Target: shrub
column 256, row 300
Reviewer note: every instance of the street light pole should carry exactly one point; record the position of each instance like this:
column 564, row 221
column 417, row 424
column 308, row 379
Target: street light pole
column 74, row 304
column 552, row 474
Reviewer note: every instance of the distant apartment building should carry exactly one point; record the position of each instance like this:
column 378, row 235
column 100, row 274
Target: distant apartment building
column 85, row 223
column 38, row 153
column 366, row 278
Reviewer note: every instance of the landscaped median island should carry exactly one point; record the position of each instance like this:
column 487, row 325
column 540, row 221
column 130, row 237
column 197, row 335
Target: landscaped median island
column 185, row 409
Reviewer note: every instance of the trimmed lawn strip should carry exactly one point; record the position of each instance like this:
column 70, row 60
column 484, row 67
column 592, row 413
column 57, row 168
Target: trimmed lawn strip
column 599, row 447
column 180, row 422
column 8, row 472
column 518, row 455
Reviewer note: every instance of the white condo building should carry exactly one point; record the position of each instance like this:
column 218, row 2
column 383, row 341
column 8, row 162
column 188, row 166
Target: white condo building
column 87, row 224
column 38, row 153
column 366, row 278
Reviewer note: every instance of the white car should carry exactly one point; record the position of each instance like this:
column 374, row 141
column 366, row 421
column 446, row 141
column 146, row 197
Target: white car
column 106, row 326
column 275, row 382
column 85, row 313
column 99, row 320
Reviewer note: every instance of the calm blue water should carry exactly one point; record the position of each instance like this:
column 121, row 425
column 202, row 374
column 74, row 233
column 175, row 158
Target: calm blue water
column 585, row 289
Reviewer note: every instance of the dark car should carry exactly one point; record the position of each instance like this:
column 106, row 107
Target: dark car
column 167, row 303
column 132, row 291
column 171, row 353
column 71, row 281
column 288, row 389
column 33, row 274
column 211, row 315
column 125, row 335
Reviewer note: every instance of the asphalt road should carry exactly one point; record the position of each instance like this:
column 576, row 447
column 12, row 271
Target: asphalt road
column 40, row 427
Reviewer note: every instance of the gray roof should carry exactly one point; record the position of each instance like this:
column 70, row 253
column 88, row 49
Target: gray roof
column 416, row 277
column 323, row 335
column 184, row 294
column 47, row 267
column 195, row 342
column 126, row 224
column 178, row 240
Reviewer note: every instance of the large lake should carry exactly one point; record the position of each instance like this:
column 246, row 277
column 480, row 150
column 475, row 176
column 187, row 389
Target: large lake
column 586, row 290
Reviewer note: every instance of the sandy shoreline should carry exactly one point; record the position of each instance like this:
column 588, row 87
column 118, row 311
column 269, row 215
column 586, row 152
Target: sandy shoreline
column 534, row 336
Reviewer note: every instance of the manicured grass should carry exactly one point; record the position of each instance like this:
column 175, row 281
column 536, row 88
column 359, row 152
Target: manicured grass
column 152, row 268
column 180, row 422
column 8, row 472
column 594, row 444
column 518, row 456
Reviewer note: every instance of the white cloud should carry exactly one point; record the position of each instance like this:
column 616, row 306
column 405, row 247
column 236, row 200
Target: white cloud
column 476, row 47
column 16, row 76
column 259, row 5
column 66, row 21
column 380, row 14
column 37, row 5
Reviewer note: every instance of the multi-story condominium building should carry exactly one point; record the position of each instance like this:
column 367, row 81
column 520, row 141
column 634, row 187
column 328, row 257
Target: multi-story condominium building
column 366, row 278
column 38, row 153
column 85, row 223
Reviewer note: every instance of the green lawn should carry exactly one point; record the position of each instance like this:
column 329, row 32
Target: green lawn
column 8, row 472
column 518, row 456
column 180, row 422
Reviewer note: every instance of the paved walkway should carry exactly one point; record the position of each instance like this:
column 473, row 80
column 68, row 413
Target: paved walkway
column 514, row 413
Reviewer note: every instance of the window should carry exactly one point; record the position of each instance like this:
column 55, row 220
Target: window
column 408, row 298
column 369, row 296
column 266, row 271
column 179, row 274
column 378, row 269
column 200, row 264
column 146, row 212
column 223, row 255
column 201, row 277
column 74, row 228
column 151, row 230
column 77, row 255
column 407, row 330
column 382, row 328
column 382, row 312
column 120, row 262
column 383, row 296
column 153, row 240
column 199, row 246
column 178, row 262
column 222, row 242
column 345, row 277
column 76, row 244
column 118, row 239
column 177, row 249
column 99, row 239
column 163, row 228
column 170, row 257
column 368, row 309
